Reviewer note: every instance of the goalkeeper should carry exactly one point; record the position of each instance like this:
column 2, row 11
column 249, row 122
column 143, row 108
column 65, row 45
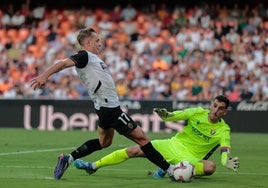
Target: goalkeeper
column 204, row 132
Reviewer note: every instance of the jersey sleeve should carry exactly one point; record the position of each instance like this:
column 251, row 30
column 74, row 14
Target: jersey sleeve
column 183, row 114
column 80, row 59
column 225, row 141
column 225, row 146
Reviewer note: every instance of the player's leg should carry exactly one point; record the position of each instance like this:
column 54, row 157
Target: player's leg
column 202, row 167
column 119, row 156
column 105, row 139
column 113, row 158
column 170, row 150
column 90, row 146
column 205, row 168
column 173, row 151
column 128, row 127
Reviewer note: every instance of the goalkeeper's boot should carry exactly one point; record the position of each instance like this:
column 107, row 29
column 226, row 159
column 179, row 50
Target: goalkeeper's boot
column 160, row 173
column 62, row 165
column 80, row 164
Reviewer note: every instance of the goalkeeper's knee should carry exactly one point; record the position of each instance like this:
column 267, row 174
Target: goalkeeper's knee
column 205, row 168
column 209, row 167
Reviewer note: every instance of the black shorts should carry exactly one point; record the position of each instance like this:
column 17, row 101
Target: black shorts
column 117, row 119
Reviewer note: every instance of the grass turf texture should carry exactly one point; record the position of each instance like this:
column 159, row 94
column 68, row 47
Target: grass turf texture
column 28, row 159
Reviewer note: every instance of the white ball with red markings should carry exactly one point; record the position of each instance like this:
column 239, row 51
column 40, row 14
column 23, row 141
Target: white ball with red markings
column 184, row 172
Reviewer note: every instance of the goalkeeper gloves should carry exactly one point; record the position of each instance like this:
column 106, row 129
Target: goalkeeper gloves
column 233, row 164
column 163, row 113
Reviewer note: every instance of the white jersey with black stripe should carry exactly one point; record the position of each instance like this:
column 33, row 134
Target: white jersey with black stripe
column 98, row 80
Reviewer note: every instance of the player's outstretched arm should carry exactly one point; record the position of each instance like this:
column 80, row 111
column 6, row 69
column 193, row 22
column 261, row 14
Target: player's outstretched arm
column 163, row 113
column 40, row 81
column 231, row 163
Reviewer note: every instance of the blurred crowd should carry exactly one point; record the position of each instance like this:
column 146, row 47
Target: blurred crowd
column 154, row 52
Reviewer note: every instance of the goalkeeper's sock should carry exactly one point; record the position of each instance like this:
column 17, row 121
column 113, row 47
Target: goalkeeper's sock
column 154, row 156
column 199, row 169
column 116, row 157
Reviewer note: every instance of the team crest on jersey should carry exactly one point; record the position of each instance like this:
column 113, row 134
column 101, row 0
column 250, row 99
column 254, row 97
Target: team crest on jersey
column 130, row 125
column 212, row 132
column 103, row 65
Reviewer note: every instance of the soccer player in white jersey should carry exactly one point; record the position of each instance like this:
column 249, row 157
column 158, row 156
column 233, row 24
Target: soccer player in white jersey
column 204, row 132
column 101, row 88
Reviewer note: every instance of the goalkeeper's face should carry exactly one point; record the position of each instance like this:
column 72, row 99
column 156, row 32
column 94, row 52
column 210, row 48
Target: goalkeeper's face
column 217, row 111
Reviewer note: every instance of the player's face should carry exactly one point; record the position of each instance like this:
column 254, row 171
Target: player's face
column 217, row 110
column 96, row 44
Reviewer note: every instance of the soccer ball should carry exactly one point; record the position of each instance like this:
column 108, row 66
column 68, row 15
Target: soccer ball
column 184, row 172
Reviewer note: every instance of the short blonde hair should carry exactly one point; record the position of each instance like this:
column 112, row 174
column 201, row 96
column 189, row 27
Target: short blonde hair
column 84, row 33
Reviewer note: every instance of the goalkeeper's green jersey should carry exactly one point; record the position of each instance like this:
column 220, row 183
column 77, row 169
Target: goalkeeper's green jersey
column 199, row 136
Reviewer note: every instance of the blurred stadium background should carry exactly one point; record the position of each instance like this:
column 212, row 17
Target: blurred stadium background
column 169, row 53
column 156, row 50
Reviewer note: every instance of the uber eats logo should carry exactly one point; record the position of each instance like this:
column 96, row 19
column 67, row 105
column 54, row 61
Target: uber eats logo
column 45, row 117
column 51, row 120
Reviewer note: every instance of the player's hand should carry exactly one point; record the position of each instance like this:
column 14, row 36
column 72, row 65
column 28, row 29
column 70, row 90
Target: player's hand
column 233, row 164
column 38, row 82
column 162, row 112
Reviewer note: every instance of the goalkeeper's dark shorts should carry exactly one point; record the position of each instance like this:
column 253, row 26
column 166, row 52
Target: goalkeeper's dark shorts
column 115, row 118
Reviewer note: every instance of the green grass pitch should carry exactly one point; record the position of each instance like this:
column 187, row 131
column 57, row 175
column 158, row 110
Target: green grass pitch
column 28, row 159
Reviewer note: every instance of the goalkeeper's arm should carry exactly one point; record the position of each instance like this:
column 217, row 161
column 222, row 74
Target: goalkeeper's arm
column 171, row 116
column 163, row 113
column 227, row 161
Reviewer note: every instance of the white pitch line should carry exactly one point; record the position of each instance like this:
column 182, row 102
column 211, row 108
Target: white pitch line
column 35, row 151
column 47, row 150
column 123, row 170
column 245, row 173
column 25, row 167
column 69, row 148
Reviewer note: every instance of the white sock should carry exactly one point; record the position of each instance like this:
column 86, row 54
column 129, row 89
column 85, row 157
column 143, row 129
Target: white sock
column 170, row 170
column 71, row 159
column 94, row 166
